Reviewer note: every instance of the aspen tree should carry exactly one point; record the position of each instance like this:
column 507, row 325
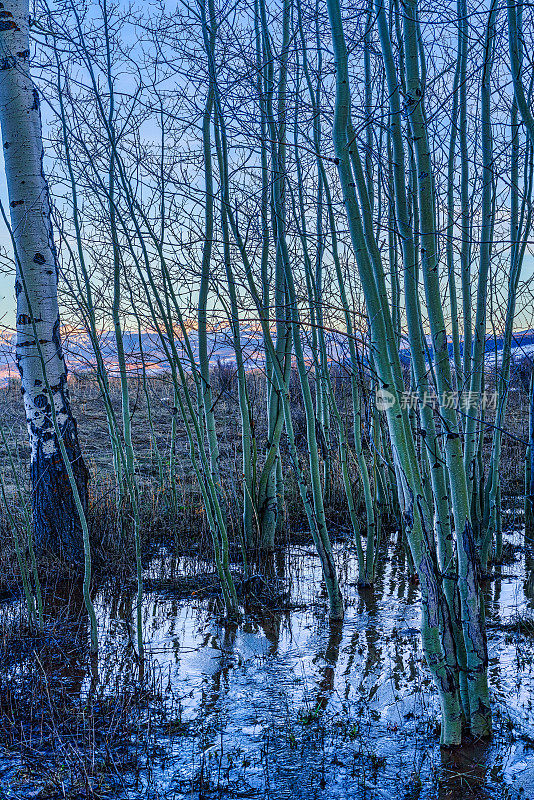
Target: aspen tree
column 56, row 521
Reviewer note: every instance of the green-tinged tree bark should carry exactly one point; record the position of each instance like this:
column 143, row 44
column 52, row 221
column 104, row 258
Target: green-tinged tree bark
column 436, row 627
column 472, row 610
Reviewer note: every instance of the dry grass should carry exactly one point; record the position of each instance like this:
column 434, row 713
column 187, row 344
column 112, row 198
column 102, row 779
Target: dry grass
column 68, row 734
column 177, row 519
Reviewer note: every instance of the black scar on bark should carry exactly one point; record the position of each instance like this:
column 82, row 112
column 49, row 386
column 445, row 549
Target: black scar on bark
column 25, row 319
column 41, row 400
column 39, row 258
column 8, row 62
column 36, row 101
column 18, row 288
column 57, row 343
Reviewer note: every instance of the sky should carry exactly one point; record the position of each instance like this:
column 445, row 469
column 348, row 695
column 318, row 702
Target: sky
column 7, row 282
column 7, row 299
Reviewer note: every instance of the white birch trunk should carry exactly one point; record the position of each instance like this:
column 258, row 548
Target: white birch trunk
column 56, row 523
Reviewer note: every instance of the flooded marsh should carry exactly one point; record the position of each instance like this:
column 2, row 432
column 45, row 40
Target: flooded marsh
column 283, row 704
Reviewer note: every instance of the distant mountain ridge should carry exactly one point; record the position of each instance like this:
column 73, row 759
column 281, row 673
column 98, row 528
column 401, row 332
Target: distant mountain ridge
column 80, row 358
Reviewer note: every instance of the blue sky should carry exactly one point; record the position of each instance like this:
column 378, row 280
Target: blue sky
column 7, row 300
column 7, row 291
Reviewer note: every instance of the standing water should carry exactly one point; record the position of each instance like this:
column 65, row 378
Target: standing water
column 286, row 705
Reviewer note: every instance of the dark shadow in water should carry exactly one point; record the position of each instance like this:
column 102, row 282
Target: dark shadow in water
column 464, row 772
column 325, row 685
column 63, row 668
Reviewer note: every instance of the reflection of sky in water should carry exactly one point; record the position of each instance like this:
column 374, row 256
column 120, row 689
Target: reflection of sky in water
column 284, row 705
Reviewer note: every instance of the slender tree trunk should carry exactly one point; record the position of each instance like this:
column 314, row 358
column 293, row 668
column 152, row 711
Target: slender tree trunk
column 56, row 522
column 472, row 608
column 465, row 225
column 451, row 170
column 529, row 465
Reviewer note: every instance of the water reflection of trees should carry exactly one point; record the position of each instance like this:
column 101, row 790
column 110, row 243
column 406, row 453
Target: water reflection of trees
column 64, row 669
column 377, row 642
column 529, row 565
column 327, row 673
